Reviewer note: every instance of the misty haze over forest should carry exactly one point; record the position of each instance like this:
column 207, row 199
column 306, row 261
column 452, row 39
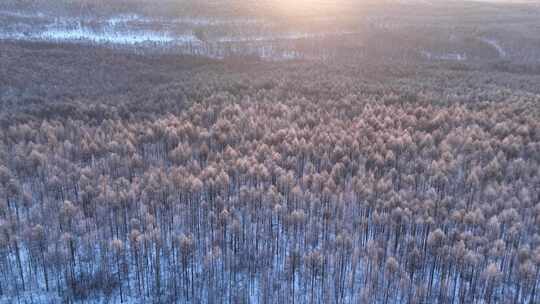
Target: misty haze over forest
column 269, row 151
column 275, row 30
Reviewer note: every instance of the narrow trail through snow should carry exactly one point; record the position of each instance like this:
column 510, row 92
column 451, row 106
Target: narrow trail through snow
column 495, row 44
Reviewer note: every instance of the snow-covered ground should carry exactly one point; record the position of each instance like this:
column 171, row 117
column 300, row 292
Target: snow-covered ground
column 211, row 37
column 53, row 298
column 80, row 33
column 452, row 56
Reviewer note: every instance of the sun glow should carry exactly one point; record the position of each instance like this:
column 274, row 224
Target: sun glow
column 306, row 7
column 298, row 4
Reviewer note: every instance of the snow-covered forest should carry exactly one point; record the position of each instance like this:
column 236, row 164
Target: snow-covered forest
column 163, row 177
column 261, row 186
